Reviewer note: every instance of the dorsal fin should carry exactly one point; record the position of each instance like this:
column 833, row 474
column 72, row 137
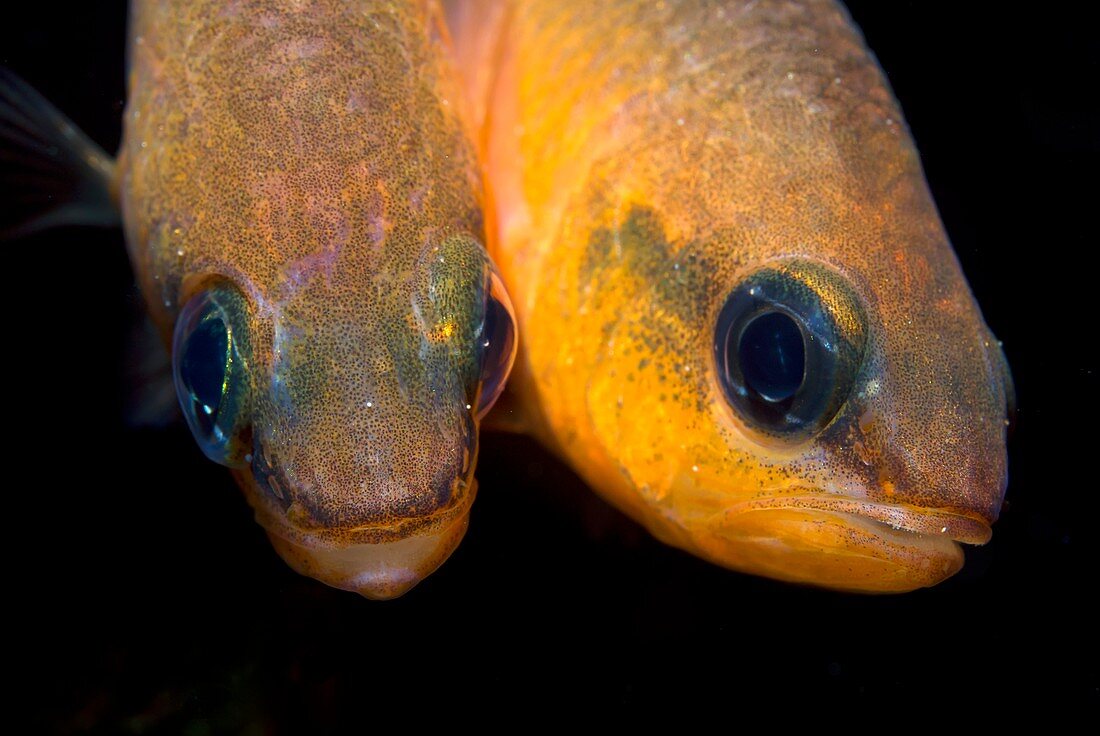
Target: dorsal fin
column 51, row 174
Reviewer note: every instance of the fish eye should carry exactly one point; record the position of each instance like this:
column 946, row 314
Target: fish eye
column 788, row 345
column 497, row 343
column 210, row 370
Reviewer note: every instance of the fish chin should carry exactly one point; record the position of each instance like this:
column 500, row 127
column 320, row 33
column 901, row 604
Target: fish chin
column 379, row 571
column 844, row 544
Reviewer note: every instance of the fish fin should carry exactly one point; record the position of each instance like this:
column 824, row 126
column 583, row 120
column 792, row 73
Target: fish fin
column 51, row 174
column 150, row 393
column 507, row 414
column 476, row 31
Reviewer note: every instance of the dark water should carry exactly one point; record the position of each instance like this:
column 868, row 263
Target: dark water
column 144, row 599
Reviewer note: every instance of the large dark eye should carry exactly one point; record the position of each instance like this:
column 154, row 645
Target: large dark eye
column 788, row 345
column 497, row 342
column 210, row 368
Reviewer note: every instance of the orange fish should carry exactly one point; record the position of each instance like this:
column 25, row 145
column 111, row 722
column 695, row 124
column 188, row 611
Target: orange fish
column 743, row 321
column 303, row 211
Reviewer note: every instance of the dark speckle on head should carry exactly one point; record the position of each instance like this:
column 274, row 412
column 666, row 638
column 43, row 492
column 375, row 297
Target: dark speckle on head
column 638, row 247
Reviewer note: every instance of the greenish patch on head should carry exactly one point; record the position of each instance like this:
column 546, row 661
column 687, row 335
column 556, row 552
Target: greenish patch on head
column 448, row 303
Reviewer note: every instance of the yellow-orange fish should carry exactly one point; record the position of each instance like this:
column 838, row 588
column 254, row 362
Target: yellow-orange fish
column 304, row 215
column 743, row 321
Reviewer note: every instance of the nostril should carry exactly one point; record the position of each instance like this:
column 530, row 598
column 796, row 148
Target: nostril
column 268, row 479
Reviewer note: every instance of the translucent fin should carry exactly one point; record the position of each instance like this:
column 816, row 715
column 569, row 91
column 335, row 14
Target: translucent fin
column 51, row 174
column 476, row 28
column 507, row 414
column 150, row 395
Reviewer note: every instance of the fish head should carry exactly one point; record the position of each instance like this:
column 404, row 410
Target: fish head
column 786, row 372
column 347, row 400
column 305, row 214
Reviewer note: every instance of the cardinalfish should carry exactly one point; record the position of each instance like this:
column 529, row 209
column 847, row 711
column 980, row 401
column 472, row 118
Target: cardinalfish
column 303, row 212
column 744, row 324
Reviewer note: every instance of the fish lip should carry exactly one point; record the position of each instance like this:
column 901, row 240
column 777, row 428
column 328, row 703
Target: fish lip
column 959, row 526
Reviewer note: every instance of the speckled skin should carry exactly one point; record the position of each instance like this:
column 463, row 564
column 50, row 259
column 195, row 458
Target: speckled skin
column 309, row 153
column 644, row 159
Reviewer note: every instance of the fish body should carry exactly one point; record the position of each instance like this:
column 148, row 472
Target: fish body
column 303, row 212
column 743, row 321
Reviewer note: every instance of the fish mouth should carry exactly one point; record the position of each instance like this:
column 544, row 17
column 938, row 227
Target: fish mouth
column 842, row 543
column 381, row 560
column 958, row 526
column 378, row 571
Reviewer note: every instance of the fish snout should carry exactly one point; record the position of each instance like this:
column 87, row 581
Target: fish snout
column 930, row 440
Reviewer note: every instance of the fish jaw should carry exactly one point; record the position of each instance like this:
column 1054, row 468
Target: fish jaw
column 378, row 571
column 830, row 541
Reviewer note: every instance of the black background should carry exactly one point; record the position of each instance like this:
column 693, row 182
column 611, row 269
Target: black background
column 143, row 598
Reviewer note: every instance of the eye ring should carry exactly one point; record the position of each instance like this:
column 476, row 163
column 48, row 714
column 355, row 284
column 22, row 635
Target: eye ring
column 210, row 357
column 789, row 342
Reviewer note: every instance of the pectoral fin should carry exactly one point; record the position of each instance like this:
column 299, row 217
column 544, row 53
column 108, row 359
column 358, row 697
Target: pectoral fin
column 150, row 394
column 511, row 413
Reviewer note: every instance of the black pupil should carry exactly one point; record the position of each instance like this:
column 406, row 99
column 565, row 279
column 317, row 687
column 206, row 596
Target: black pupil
column 772, row 356
column 204, row 364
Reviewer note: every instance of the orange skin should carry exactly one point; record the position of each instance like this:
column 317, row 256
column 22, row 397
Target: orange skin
column 307, row 152
column 643, row 160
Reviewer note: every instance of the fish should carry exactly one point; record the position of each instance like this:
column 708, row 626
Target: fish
column 743, row 322
column 303, row 210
